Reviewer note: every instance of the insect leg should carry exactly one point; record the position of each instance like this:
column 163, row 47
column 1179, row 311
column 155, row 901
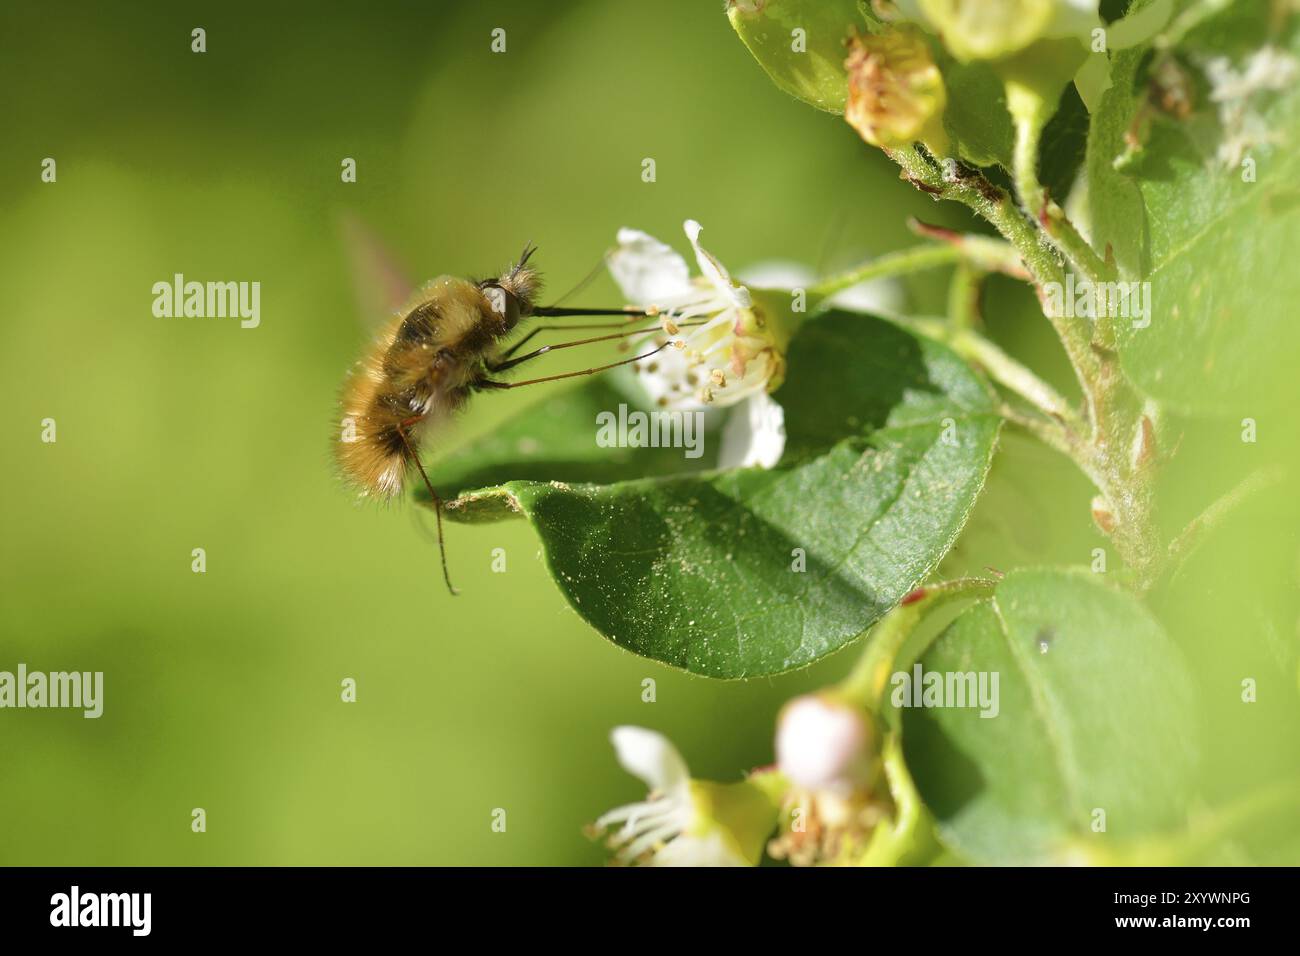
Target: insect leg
column 501, row 366
column 488, row 383
column 555, row 328
column 537, row 353
column 437, row 507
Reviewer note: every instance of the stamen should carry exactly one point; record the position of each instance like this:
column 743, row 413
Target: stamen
column 667, row 815
column 651, row 840
column 725, row 317
column 624, row 813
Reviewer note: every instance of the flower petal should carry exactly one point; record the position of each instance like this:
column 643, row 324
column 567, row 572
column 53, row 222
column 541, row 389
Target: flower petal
column 715, row 271
column 648, row 272
column 662, row 378
column 754, row 435
column 822, row 743
column 706, row 849
column 650, row 756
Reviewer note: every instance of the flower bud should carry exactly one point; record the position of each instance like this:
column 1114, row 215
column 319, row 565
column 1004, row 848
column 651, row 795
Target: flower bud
column 993, row 29
column 896, row 92
column 824, row 744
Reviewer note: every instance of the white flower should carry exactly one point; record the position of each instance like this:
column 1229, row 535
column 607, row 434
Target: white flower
column 722, row 349
column 1267, row 69
column 825, row 749
column 824, row 744
column 683, row 822
column 753, row 435
column 1235, row 92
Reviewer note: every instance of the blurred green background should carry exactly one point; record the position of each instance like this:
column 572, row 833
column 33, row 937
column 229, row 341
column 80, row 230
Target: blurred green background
column 222, row 689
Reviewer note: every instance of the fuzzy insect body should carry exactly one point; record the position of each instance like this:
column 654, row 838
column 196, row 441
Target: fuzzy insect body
column 429, row 360
column 423, row 368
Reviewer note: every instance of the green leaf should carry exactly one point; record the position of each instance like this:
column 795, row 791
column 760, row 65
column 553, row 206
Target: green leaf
column 1115, row 208
column 554, row 441
column 976, row 117
column 889, row 438
column 1095, row 711
column 800, row 44
column 1212, row 245
column 1063, row 143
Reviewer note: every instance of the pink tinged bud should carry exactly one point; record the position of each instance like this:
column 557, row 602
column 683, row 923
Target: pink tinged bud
column 823, row 744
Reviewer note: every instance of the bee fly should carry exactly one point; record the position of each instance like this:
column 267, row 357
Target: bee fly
column 444, row 346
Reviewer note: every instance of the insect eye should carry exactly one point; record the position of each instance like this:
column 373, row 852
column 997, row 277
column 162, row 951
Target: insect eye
column 496, row 297
column 502, row 302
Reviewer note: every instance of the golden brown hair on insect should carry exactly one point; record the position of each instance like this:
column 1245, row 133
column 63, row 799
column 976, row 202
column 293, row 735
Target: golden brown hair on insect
column 439, row 349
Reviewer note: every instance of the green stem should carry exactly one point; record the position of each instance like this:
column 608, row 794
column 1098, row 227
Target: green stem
column 866, row 683
column 1112, row 411
column 1189, row 541
column 983, row 254
column 971, row 189
column 1061, row 429
column 1052, row 435
column 1030, row 111
column 891, row 264
column 903, row 839
column 964, row 296
column 1000, row 367
column 1039, row 256
column 1030, row 114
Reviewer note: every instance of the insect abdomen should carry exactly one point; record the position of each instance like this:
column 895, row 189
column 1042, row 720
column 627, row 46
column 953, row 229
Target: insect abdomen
column 420, row 371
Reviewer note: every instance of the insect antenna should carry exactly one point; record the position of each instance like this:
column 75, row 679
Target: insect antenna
column 524, row 256
column 437, row 507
